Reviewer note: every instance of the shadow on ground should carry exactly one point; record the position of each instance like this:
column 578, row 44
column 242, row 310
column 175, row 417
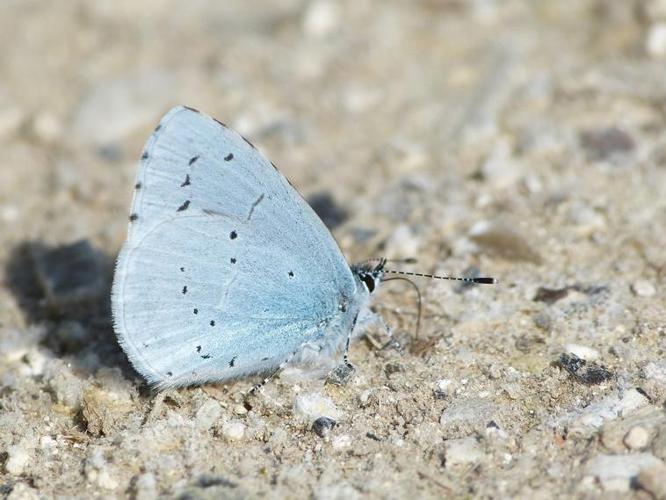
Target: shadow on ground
column 67, row 289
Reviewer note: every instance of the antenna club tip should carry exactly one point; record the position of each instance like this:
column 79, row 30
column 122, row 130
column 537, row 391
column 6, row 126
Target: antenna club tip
column 486, row 281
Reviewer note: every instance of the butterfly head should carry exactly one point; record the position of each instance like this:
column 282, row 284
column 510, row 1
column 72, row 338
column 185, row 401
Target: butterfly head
column 369, row 275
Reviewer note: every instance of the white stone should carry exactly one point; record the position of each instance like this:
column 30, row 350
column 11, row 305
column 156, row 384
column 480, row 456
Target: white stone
column 105, row 480
column 615, row 472
column 19, row 457
column 22, row 491
column 644, row 288
column 611, row 407
column 146, row 487
column 462, row 451
column 583, row 352
column 208, row 414
column 97, row 470
column 637, row 438
column 233, row 430
column 468, row 412
column 341, row 441
column 321, row 19
column 656, row 371
column 444, row 387
column 655, row 43
column 337, row 491
column 47, row 127
column 310, row 406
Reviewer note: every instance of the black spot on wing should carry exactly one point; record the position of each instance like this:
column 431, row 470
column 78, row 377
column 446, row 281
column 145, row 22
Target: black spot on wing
column 184, row 206
column 182, row 269
column 193, row 159
column 229, row 157
column 184, row 289
column 233, row 260
column 233, row 235
column 144, row 156
column 206, row 356
column 291, row 274
column 169, row 374
column 137, row 185
column 198, row 348
column 195, row 311
column 212, row 322
column 159, row 126
column 232, row 362
column 133, row 217
column 186, row 182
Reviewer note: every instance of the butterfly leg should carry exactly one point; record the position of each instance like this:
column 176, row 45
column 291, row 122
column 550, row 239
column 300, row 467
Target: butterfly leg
column 259, row 385
column 369, row 319
column 344, row 371
column 392, row 341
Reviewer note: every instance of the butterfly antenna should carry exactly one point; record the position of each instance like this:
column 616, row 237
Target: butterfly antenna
column 418, row 297
column 479, row 280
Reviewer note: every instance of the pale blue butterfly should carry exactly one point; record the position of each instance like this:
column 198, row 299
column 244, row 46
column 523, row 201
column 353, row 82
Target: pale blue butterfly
column 226, row 270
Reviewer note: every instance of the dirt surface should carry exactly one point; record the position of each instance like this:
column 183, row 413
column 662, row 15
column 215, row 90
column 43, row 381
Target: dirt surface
column 516, row 139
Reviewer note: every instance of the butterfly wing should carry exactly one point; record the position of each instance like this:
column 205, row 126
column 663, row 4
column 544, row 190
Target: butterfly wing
column 226, row 270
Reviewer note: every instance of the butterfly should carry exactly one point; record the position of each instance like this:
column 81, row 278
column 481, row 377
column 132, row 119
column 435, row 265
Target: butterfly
column 227, row 271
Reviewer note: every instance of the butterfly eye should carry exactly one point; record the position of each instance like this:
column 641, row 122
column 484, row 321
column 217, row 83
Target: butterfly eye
column 369, row 282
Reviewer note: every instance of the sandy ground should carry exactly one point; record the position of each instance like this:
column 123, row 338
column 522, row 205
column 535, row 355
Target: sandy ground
column 522, row 140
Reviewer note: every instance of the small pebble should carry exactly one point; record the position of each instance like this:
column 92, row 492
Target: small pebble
column 239, row 409
column 653, row 480
column 501, row 239
column 323, row 426
column 637, row 438
column 606, row 143
column 311, row 406
column 21, row 491
column 341, row 442
column 615, row 472
column 47, row 127
column 321, row 19
column 583, row 352
column 233, row 430
column 468, row 413
column 364, row 398
column 443, row 388
column 18, row 457
column 655, row 42
column 208, row 414
column 97, row 470
column 643, row 288
column 104, row 412
column 462, row 451
column 145, row 487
